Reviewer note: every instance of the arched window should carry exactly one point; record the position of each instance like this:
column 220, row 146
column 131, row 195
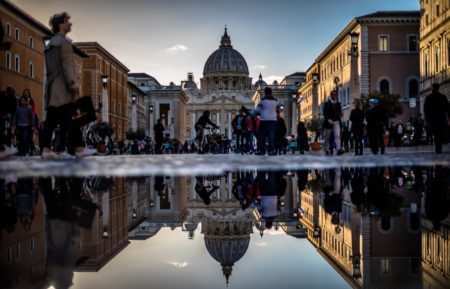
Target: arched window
column 384, row 87
column 413, row 88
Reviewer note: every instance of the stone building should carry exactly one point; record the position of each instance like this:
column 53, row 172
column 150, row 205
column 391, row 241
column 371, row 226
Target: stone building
column 22, row 53
column 225, row 88
column 434, row 47
column 365, row 57
column 162, row 102
column 308, row 99
column 105, row 80
column 137, row 119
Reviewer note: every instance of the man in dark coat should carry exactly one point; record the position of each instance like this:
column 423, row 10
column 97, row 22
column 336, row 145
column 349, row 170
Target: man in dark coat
column 280, row 135
column 159, row 135
column 437, row 110
column 377, row 120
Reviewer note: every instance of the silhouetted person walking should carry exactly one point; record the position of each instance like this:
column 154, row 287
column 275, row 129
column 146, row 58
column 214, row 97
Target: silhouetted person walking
column 437, row 110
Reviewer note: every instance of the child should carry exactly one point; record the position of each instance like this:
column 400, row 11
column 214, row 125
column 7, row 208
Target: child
column 293, row 145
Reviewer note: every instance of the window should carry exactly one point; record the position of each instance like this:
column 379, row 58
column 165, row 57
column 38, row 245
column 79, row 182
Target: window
column 8, row 59
column 30, row 42
column 438, row 10
column 17, row 63
column 8, row 29
column 413, row 88
column 384, row 87
column 383, row 43
column 9, row 256
column 412, row 43
column 427, row 64
column 32, row 244
column 437, row 59
column 18, row 252
column 385, row 223
column 31, row 68
column 448, row 52
column 385, row 266
column 17, row 34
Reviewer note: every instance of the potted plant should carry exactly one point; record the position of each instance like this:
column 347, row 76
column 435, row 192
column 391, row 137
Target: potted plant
column 314, row 125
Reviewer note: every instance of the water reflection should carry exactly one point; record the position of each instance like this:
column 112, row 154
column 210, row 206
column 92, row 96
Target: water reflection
column 375, row 227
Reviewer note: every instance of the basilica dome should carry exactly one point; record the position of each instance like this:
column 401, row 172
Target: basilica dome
column 225, row 59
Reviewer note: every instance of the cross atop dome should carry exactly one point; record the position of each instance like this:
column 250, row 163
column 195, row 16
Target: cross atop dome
column 226, row 41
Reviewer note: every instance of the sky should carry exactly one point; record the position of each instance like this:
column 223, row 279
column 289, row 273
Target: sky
column 169, row 38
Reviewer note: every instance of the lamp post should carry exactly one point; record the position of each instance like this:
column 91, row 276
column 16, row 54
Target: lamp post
column 315, row 96
column 354, row 77
column 105, row 101
column 150, row 120
column 133, row 113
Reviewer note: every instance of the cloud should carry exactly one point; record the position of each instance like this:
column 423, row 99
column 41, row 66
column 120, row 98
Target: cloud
column 271, row 78
column 178, row 264
column 259, row 66
column 177, row 47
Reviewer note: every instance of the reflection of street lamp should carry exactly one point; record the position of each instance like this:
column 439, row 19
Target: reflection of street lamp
column 281, row 107
column 150, row 108
column 133, row 98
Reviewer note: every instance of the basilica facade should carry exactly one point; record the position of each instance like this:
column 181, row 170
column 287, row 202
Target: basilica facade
column 224, row 88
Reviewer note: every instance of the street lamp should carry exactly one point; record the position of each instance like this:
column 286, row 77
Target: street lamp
column 133, row 98
column 150, row 108
column 315, row 77
column 354, row 36
column 281, row 107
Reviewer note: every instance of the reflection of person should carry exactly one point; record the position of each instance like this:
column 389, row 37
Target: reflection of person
column 437, row 198
column 437, row 111
column 333, row 198
column 66, row 212
column 268, row 206
column 61, row 90
column 203, row 191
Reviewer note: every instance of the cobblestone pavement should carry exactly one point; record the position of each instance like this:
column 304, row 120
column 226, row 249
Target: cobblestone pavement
column 193, row 164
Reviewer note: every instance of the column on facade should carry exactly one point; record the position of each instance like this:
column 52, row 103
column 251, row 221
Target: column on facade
column 218, row 118
column 230, row 185
column 105, row 216
column 229, row 125
column 193, row 121
column 105, row 104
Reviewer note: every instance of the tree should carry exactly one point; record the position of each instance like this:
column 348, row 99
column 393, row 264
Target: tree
column 139, row 134
column 390, row 102
column 314, row 125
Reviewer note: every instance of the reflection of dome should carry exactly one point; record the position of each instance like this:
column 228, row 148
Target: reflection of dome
column 227, row 241
column 260, row 83
column 225, row 59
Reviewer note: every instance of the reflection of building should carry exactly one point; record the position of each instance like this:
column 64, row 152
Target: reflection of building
column 109, row 232
column 435, row 255
column 434, row 47
column 101, row 63
column 227, row 240
column 367, row 250
column 22, row 253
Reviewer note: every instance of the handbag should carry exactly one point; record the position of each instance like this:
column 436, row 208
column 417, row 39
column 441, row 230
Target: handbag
column 84, row 111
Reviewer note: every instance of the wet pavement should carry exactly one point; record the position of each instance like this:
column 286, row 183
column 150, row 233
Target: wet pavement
column 188, row 164
column 227, row 221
